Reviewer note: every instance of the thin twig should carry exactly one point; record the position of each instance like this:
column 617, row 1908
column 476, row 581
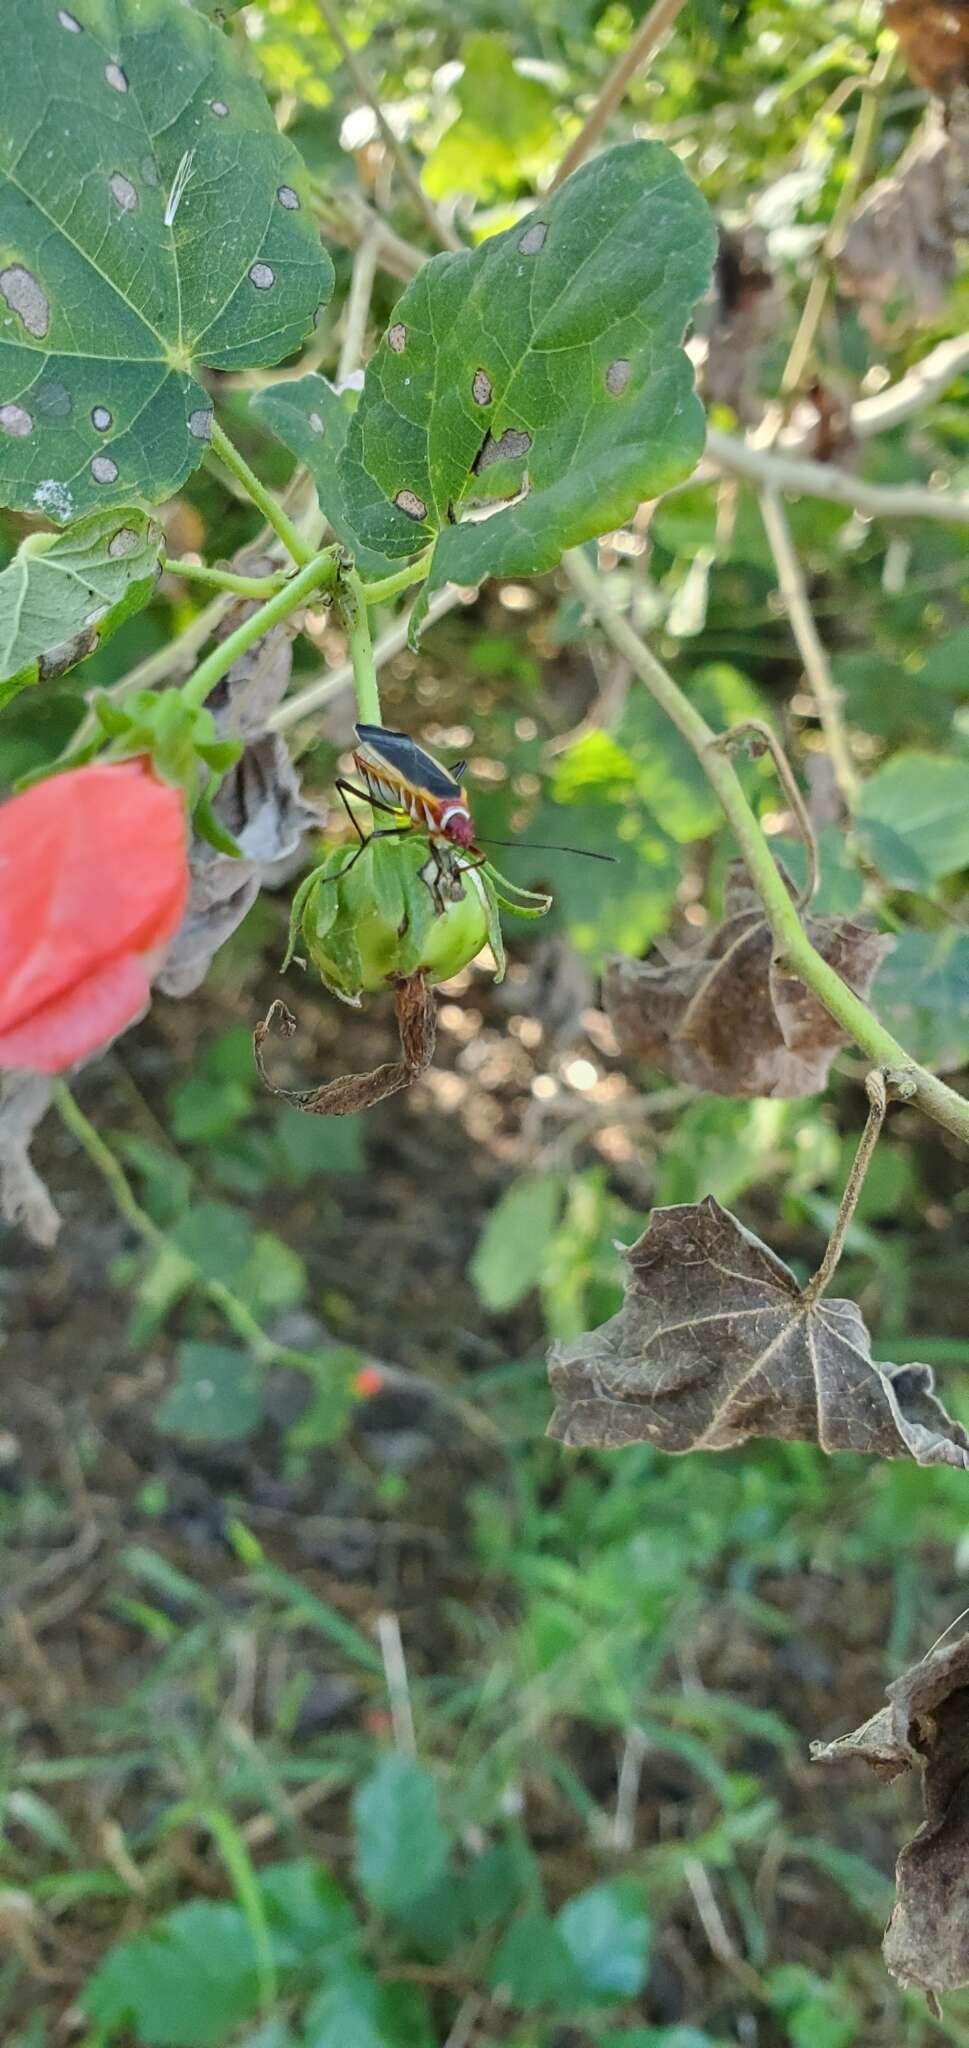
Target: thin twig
column 348, row 219
column 775, row 470
column 714, row 1927
column 877, row 1093
column 340, row 679
column 635, row 1750
column 358, row 307
column 817, row 668
column 398, row 1689
column 786, row 778
column 925, row 381
column 368, row 91
column 469, row 2013
column 793, row 947
column 661, row 16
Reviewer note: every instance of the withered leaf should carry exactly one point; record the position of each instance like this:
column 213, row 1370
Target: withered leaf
column 925, row 1727
column 416, row 1028
column 714, row 1344
column 24, row 1199
column 900, row 243
column 934, row 38
column 723, row 1017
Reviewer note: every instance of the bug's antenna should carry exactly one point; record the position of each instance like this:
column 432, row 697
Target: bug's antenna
column 543, row 846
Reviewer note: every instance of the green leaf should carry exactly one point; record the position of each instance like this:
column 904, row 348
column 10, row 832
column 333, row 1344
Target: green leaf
column 533, row 1967
column 510, row 1253
column 308, row 1145
column 217, row 1397
column 552, row 352
column 400, row 1844
column 107, row 107
column 186, row 1983
column 504, row 133
column 922, row 995
column 354, row 2010
column 312, row 419
column 607, row 1935
column 216, row 1237
column 65, row 593
column 922, row 802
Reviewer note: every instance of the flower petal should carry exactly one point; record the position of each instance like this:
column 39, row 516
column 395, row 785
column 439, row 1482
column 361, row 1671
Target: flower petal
column 80, row 1021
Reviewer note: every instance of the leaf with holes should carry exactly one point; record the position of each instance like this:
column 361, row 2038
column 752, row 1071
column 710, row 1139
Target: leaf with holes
column 65, row 593
column 539, row 378
column 312, row 419
column 715, row 1343
column 152, row 221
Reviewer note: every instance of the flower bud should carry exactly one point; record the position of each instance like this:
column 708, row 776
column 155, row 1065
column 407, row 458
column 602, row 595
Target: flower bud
column 389, row 913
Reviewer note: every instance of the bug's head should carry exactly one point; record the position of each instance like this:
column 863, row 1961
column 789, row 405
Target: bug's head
column 457, row 827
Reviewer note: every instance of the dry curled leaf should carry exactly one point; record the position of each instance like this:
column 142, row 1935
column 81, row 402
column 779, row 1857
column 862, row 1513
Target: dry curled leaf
column 24, row 1199
column 925, row 1728
column 900, row 243
column 934, row 39
column 724, row 1017
column 739, row 318
column 715, row 1343
column 417, row 1029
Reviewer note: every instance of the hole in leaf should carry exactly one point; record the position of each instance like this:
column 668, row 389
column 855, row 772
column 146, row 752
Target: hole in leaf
column 618, row 375
column 103, row 470
column 262, row 276
column 533, row 238
column 481, row 388
column 512, row 443
column 409, row 502
column 116, row 77
column 397, row 337
column 25, row 296
column 16, row 422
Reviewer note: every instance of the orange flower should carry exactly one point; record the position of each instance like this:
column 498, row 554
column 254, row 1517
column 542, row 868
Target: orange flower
column 93, row 884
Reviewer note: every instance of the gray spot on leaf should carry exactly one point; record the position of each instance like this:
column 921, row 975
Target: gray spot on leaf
column 101, row 418
column 409, row 502
column 68, row 21
column 200, row 423
column 16, row 422
column 219, row 109
column 397, row 337
column 52, row 400
column 116, row 77
column 56, row 660
column 316, row 423
column 481, row 388
column 618, row 375
column 103, row 470
column 54, row 499
column 124, row 192
column 513, row 443
column 262, row 276
column 288, row 198
column 25, row 296
column 149, row 172
column 123, row 543
column 533, row 238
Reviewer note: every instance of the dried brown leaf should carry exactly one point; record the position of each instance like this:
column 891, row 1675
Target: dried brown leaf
column 417, row 1030
column 739, row 319
column 934, row 37
column 714, row 1344
column 925, row 1727
column 900, row 243
column 723, row 1017
column 24, row 1199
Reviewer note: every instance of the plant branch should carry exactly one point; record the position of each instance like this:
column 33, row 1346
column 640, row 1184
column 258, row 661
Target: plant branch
column 226, row 579
column 387, row 587
column 269, row 506
column 817, row 668
column 793, row 946
column 316, row 695
column 348, row 219
column 319, row 574
column 661, row 16
column 775, row 470
column 760, row 730
column 367, row 90
column 358, row 306
column 877, row 1093
column 923, row 382
column 351, row 604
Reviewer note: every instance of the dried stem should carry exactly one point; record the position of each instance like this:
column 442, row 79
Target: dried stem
column 877, row 1093
column 786, row 778
column 358, row 306
column 398, row 1690
column 774, row 470
column 660, row 17
column 368, row 91
column 793, row 947
column 817, row 668
column 417, row 1028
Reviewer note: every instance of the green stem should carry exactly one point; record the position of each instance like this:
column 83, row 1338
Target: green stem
column 269, row 506
column 226, row 579
column 233, row 1311
column 352, row 605
column 402, row 579
column 792, row 945
column 319, row 574
column 238, row 1863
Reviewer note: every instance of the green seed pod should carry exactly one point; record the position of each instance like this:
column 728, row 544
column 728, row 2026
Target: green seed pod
column 380, row 920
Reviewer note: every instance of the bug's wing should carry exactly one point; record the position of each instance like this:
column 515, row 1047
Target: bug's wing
column 411, row 763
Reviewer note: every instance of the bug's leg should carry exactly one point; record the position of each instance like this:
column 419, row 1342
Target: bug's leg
column 345, row 789
column 388, row 832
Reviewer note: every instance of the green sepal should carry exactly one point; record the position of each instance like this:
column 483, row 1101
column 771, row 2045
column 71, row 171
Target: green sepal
column 495, row 937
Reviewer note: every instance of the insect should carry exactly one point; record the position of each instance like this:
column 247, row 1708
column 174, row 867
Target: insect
column 399, row 776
